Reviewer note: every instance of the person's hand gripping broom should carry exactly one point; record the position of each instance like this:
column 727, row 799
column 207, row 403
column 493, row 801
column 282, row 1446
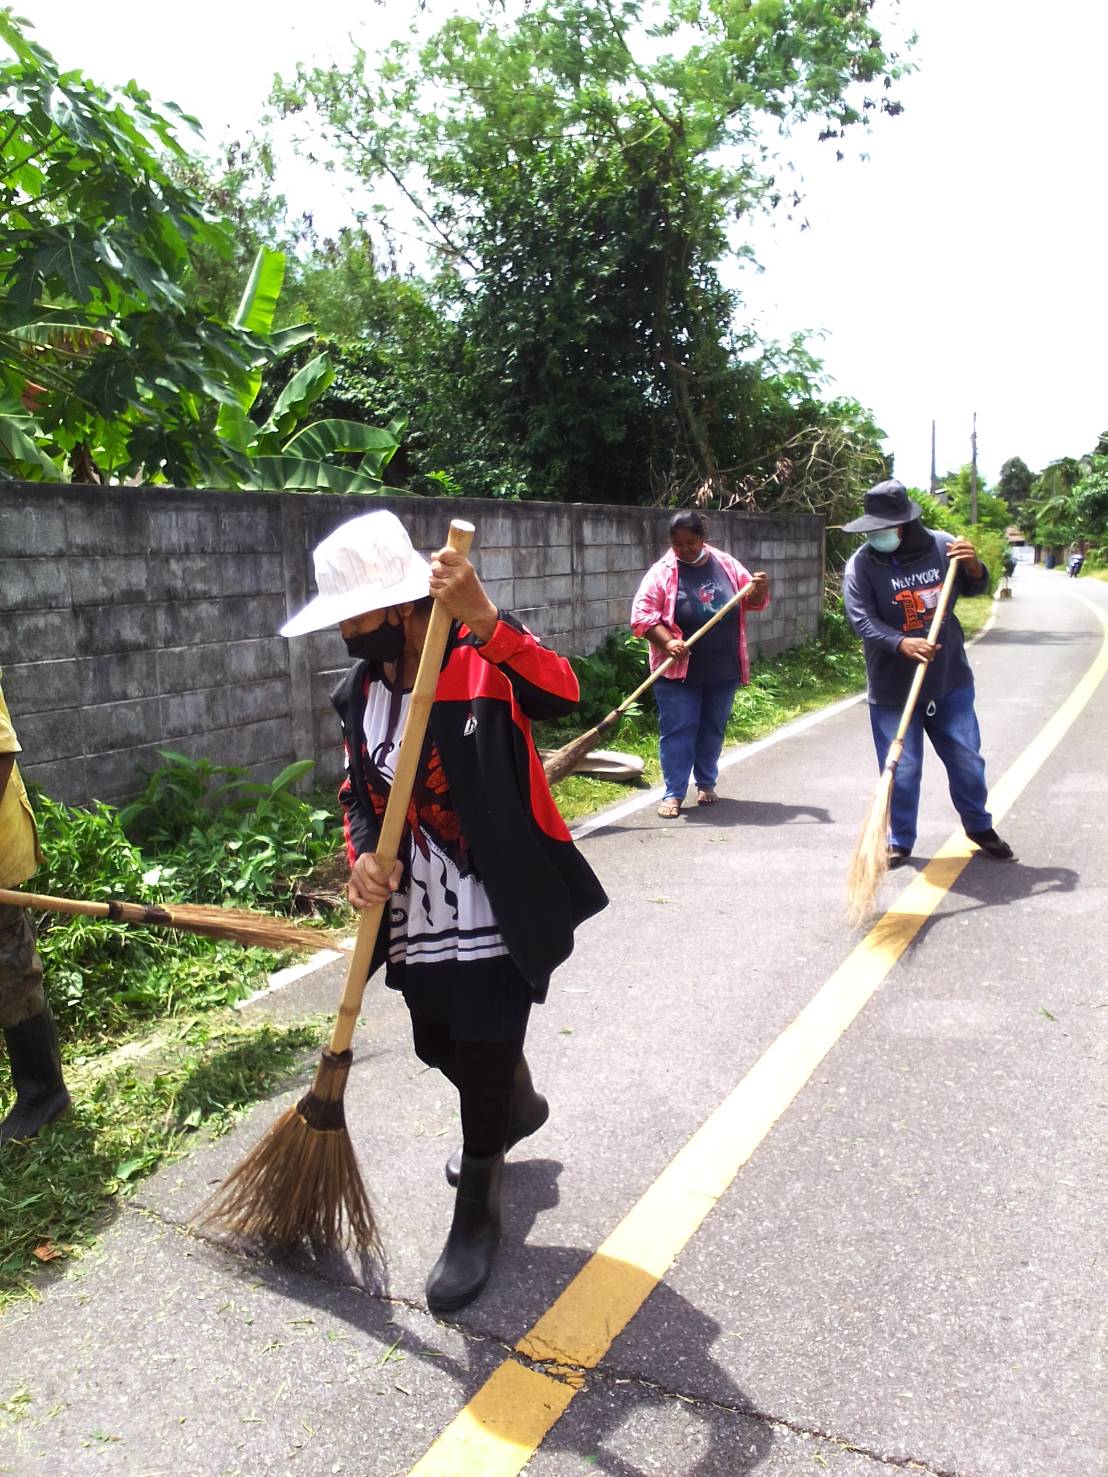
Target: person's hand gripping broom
column 301, row 1183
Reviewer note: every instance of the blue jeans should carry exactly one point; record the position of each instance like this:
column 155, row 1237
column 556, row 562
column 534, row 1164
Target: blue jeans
column 956, row 738
column 692, row 720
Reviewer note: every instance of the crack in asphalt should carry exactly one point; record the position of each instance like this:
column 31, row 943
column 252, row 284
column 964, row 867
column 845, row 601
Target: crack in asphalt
column 245, row 1255
column 765, row 1417
column 565, row 1371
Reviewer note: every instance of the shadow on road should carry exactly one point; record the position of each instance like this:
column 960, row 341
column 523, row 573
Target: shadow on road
column 988, row 884
column 729, row 812
column 997, row 637
column 982, row 884
column 732, row 1438
column 726, row 813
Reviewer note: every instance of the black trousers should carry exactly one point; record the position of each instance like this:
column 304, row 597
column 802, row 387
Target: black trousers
column 482, row 1071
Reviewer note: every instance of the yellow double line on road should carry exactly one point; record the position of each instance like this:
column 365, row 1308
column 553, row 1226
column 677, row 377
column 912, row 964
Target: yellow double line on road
column 507, row 1420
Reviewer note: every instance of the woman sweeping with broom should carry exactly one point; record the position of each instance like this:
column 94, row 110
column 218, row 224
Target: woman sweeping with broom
column 891, row 589
column 682, row 598
column 488, row 888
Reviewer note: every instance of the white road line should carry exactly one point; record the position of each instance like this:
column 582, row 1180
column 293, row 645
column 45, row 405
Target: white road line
column 282, row 977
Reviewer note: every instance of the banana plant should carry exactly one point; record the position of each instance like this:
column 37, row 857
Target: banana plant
column 284, row 453
column 20, row 442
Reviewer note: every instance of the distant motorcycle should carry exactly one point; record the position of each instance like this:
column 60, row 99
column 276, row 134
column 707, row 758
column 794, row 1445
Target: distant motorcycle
column 1074, row 565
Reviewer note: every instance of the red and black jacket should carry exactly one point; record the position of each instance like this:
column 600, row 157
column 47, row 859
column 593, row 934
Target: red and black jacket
column 538, row 883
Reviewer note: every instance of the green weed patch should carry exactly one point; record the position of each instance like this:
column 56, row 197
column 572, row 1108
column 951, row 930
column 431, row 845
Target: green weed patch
column 199, row 833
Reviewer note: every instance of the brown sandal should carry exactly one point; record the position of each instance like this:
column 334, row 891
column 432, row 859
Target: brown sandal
column 706, row 797
column 669, row 808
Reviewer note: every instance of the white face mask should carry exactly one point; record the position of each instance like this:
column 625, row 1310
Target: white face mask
column 884, row 540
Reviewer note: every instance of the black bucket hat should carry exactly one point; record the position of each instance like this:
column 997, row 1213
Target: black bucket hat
column 886, row 506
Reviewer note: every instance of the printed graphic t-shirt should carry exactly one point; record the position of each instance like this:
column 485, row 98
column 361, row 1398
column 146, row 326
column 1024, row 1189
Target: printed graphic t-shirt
column 889, row 598
column 702, row 590
column 442, row 914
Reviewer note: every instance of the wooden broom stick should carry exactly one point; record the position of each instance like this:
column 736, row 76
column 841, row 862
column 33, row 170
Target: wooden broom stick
column 301, row 1183
column 564, row 760
column 239, row 925
column 400, row 792
column 870, row 861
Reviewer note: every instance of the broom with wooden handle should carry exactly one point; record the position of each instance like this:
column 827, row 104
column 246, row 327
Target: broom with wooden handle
column 301, row 1183
column 239, row 925
column 563, row 761
column 870, row 861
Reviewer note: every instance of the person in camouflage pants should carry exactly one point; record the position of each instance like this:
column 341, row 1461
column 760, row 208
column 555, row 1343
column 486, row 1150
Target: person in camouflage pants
column 21, row 994
column 28, row 1026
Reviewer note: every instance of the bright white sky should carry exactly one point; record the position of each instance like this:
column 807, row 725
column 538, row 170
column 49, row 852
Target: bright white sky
column 959, row 269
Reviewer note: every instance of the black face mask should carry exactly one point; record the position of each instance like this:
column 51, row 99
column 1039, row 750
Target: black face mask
column 383, row 645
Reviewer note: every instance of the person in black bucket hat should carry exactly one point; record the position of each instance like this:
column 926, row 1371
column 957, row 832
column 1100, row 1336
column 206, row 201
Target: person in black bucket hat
column 890, row 589
column 887, row 506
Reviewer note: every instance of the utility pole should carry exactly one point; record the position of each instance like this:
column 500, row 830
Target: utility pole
column 934, row 469
column 973, row 473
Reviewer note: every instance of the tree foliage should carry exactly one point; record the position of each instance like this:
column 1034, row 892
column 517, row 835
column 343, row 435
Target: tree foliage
column 289, row 448
column 1015, row 482
column 1069, row 503
column 577, row 174
column 1050, row 512
column 104, row 362
column 992, row 511
column 110, row 356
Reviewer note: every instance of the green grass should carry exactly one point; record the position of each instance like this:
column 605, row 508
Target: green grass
column 972, row 614
column 140, row 1107
column 152, row 1051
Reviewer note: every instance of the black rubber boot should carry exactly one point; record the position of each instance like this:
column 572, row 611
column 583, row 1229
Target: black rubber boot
column 40, row 1093
column 528, row 1112
column 466, row 1261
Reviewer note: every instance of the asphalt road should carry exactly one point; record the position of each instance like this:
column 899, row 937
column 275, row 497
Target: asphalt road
column 907, row 1272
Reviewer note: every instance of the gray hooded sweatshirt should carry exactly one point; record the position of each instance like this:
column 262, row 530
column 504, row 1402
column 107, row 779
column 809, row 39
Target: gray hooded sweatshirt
column 890, row 596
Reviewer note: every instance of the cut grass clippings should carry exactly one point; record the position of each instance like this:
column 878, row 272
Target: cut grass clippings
column 132, row 1111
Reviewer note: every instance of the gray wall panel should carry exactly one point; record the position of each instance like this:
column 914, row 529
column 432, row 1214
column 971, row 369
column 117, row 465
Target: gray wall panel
column 133, row 619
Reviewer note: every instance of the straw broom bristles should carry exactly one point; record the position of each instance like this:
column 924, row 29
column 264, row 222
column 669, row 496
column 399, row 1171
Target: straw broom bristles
column 302, row 1182
column 870, row 861
column 564, row 761
column 238, row 925
column 241, row 926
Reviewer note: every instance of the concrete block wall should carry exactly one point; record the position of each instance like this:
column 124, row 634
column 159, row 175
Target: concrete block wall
column 133, row 620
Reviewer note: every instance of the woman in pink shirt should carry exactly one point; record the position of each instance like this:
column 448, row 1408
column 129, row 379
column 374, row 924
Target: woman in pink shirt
column 676, row 597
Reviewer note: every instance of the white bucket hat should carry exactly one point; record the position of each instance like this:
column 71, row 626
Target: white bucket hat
column 366, row 564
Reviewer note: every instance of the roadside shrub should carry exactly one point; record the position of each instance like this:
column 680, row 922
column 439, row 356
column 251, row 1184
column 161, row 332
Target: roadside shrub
column 198, row 833
column 607, row 676
column 220, row 837
column 990, row 543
